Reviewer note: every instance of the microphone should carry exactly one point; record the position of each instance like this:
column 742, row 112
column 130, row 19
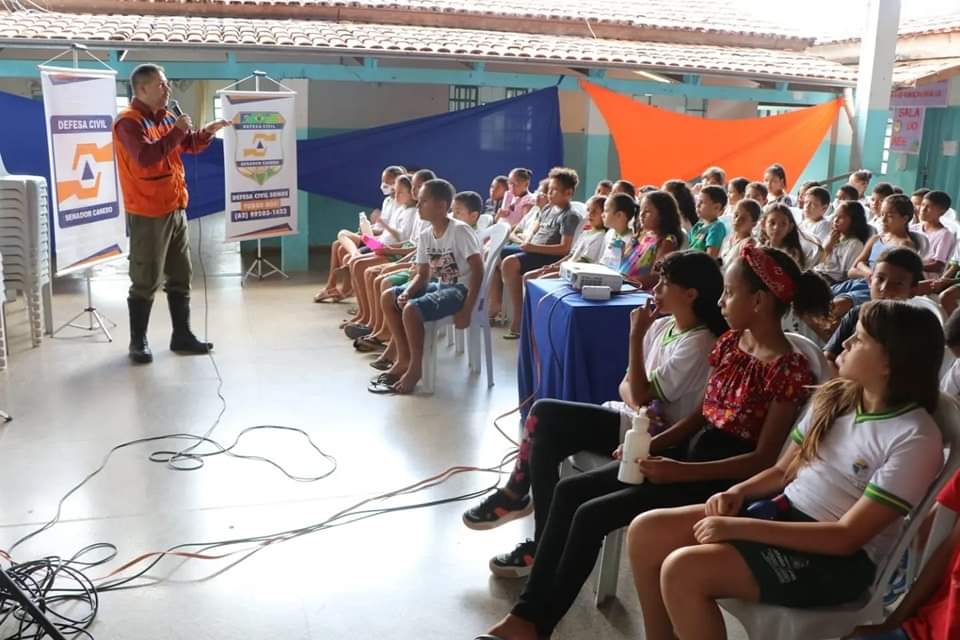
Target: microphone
column 175, row 108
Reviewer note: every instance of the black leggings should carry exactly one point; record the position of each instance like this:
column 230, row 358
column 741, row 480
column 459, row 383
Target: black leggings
column 554, row 430
column 588, row 506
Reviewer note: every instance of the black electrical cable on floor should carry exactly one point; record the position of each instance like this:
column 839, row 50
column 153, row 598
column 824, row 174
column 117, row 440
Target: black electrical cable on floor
column 61, row 587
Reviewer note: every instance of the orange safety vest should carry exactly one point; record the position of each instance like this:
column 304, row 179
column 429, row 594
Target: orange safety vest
column 158, row 189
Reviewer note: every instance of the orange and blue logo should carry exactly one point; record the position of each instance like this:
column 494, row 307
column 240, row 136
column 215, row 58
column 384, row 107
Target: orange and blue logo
column 84, row 170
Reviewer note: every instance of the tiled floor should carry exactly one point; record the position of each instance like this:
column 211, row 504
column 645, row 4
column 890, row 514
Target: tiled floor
column 415, row 574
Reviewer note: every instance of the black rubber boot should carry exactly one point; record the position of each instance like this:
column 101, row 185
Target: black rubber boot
column 139, row 320
column 183, row 340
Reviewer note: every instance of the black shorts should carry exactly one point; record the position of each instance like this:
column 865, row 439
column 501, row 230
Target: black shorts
column 802, row 580
column 531, row 261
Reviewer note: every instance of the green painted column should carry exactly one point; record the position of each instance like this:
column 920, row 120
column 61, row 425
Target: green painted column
column 295, row 249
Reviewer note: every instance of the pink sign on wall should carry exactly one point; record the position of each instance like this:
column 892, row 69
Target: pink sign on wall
column 926, row 95
column 907, row 129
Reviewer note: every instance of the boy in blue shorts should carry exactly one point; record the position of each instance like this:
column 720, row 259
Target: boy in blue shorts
column 449, row 252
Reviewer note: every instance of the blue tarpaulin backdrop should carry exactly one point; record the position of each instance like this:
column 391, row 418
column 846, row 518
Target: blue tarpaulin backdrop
column 466, row 147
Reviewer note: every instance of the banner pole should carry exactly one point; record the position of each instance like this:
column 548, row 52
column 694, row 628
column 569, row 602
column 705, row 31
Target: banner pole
column 260, row 261
column 90, row 310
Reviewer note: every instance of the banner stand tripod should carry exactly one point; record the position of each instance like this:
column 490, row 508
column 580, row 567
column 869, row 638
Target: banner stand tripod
column 92, row 315
column 257, row 268
column 96, row 322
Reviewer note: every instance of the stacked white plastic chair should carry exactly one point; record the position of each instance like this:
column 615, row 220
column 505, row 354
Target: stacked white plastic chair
column 3, row 321
column 25, row 245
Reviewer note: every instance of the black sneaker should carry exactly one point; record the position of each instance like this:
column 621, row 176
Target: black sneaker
column 496, row 509
column 515, row 564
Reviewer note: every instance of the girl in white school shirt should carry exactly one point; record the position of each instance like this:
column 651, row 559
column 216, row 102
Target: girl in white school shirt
column 860, row 459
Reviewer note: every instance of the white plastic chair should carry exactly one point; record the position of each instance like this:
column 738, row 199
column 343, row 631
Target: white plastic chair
column 819, row 366
column 587, row 461
column 826, row 623
column 484, row 221
column 479, row 322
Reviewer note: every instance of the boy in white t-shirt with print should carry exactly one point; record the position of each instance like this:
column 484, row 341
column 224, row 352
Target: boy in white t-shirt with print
column 449, row 252
column 942, row 240
column 816, row 201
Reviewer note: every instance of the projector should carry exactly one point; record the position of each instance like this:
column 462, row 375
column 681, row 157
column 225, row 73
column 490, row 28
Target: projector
column 583, row 274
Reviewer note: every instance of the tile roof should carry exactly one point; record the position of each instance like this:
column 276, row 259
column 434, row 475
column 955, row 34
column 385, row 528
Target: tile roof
column 910, row 26
column 387, row 41
column 909, row 73
column 736, row 17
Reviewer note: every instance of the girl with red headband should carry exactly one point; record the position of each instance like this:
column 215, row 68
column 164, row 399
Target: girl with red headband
column 753, row 395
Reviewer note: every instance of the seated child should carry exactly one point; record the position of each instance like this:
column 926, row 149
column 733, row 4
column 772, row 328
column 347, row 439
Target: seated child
column 917, row 198
column 848, row 192
column 624, row 186
column 551, row 238
column 942, row 240
column 467, row 207
column 715, row 176
column 805, row 186
column 619, row 210
column 604, row 187
column 498, row 190
column 757, row 191
column 339, row 251
column 448, row 251
column 589, row 246
column 666, row 375
column 747, row 215
column 816, row 201
column 881, row 191
column 396, row 244
column 659, row 235
column 518, row 200
column 753, row 394
column 895, row 276
column 708, row 232
column 736, row 191
column 950, row 382
column 897, row 211
column 835, row 520
column 686, row 204
column 848, row 233
column 779, row 230
column 775, row 179
column 860, row 180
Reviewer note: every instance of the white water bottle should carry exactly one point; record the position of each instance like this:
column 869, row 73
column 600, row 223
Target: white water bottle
column 636, row 446
column 365, row 228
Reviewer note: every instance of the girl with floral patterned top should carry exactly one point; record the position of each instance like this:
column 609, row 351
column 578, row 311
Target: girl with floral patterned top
column 658, row 234
column 752, row 398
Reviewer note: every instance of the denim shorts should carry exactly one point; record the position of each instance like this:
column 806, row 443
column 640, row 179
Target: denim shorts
column 437, row 300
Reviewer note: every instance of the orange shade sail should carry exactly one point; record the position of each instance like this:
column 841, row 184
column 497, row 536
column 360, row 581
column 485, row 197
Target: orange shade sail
column 656, row 145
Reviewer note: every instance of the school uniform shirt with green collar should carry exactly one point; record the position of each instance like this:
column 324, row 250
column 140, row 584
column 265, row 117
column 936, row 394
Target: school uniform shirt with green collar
column 676, row 365
column 589, row 246
column 890, row 458
column 615, row 247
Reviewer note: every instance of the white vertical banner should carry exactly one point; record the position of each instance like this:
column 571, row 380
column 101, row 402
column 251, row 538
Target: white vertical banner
column 88, row 218
column 260, row 163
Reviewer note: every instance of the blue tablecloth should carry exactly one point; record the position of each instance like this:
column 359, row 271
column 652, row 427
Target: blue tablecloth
column 582, row 344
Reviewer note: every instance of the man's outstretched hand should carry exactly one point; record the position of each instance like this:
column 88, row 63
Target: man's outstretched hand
column 212, row 127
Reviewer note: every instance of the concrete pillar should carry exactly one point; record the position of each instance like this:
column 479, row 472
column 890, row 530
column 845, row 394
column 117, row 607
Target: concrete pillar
column 877, row 53
column 596, row 150
column 295, row 249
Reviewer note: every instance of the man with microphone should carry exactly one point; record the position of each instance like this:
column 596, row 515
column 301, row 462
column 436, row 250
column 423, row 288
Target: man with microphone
column 149, row 137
